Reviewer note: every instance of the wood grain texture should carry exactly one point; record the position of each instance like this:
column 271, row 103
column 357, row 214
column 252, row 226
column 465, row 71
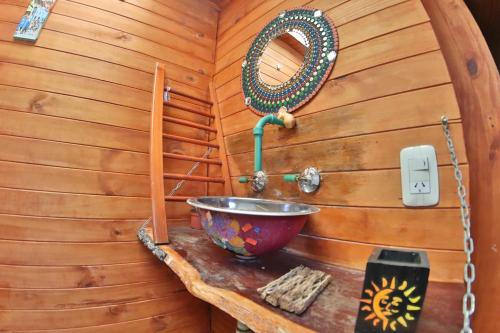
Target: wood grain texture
column 477, row 85
column 158, row 217
column 74, row 163
column 215, row 276
column 387, row 91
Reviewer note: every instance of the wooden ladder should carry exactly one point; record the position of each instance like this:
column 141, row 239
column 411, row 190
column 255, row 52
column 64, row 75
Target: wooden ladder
column 157, row 153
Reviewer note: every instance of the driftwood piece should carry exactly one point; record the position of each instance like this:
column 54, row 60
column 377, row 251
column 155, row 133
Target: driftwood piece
column 295, row 290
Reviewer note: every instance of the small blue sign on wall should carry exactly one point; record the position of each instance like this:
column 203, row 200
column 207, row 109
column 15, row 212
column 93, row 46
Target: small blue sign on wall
column 33, row 20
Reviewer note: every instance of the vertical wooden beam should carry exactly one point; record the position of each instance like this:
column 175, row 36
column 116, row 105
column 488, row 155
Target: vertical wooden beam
column 160, row 233
column 228, row 189
column 477, row 86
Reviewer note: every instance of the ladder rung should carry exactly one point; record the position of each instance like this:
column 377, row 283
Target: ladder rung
column 176, row 198
column 189, row 123
column 193, row 178
column 189, row 140
column 192, row 158
column 201, row 113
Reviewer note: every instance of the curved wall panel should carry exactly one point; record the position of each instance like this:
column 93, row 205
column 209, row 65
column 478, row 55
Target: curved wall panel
column 387, row 91
column 74, row 184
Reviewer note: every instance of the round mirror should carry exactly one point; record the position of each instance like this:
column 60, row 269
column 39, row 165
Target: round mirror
column 282, row 58
column 289, row 61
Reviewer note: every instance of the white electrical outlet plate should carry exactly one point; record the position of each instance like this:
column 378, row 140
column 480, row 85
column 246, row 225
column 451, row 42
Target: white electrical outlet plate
column 419, row 176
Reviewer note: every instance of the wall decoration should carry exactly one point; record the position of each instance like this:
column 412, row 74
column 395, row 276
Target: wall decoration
column 393, row 292
column 33, row 20
column 289, row 61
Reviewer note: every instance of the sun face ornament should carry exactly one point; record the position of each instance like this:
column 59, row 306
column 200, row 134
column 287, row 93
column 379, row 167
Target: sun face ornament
column 390, row 305
column 393, row 291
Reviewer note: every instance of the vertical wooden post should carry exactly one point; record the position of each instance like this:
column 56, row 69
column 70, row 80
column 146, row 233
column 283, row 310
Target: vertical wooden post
column 228, row 188
column 160, row 233
column 477, row 86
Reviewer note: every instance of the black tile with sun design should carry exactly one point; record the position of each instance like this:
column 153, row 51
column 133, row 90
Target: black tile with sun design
column 393, row 292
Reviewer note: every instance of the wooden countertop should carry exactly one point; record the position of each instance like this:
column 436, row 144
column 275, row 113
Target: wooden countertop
column 217, row 277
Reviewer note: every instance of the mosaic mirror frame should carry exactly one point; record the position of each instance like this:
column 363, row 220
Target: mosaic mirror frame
column 321, row 38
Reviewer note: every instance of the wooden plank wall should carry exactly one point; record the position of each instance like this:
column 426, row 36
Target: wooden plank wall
column 74, row 184
column 388, row 90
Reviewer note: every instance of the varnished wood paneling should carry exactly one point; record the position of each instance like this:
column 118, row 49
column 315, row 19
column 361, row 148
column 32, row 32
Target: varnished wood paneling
column 75, row 110
column 19, row 227
column 100, row 315
column 70, row 107
column 447, row 265
column 387, row 91
column 58, row 299
column 27, row 150
column 84, row 276
column 177, row 321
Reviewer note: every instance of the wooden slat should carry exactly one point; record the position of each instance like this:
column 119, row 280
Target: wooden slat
column 70, row 254
column 69, row 107
column 192, row 158
column 51, row 153
column 46, row 178
column 159, row 217
column 177, row 321
column 70, row 63
column 169, row 20
column 189, row 123
column 39, row 126
column 390, row 226
column 101, row 315
column 377, row 188
column 104, row 50
column 189, row 140
column 45, row 299
column 421, row 107
column 18, row 227
column 83, row 276
column 53, row 204
column 193, row 178
column 170, row 322
column 46, row 80
column 351, row 153
column 448, row 264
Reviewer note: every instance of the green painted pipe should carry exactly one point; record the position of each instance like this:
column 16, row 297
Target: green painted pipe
column 290, row 178
column 243, row 179
column 258, row 132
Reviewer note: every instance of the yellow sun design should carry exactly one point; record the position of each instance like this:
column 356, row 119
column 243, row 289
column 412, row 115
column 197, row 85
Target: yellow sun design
column 389, row 304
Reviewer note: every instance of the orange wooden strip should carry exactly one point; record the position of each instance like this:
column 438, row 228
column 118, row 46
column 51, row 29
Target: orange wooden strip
column 159, row 217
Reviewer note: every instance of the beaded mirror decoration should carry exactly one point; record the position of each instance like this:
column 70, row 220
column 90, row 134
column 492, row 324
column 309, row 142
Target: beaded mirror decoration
column 320, row 38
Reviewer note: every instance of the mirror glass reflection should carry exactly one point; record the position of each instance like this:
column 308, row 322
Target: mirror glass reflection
column 282, row 58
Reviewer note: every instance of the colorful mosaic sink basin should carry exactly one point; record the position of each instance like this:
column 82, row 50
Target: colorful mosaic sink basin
column 250, row 227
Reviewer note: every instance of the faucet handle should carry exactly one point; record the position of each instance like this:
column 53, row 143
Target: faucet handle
column 308, row 181
column 287, row 118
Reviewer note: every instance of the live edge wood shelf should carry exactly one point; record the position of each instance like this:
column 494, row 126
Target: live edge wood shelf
column 218, row 278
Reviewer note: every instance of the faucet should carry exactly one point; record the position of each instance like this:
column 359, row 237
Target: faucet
column 283, row 119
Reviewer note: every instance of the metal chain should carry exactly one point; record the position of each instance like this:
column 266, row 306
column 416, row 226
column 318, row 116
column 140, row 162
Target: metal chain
column 469, row 300
column 193, row 168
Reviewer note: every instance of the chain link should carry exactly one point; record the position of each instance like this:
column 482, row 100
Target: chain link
column 469, row 299
column 193, row 168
